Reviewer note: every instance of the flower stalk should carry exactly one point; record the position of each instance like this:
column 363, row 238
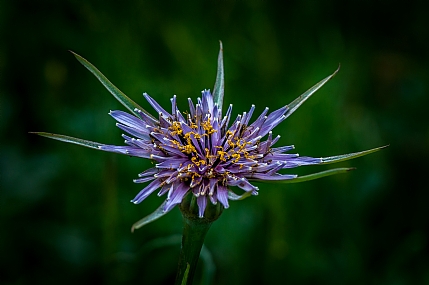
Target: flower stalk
column 194, row 232
column 195, row 229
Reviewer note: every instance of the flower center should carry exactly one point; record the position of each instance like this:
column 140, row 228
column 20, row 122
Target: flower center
column 209, row 152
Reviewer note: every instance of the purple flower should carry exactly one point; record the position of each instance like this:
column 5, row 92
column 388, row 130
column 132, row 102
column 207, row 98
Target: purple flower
column 203, row 151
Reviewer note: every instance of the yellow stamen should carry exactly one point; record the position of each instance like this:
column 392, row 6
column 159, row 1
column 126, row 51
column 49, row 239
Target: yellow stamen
column 198, row 162
column 207, row 126
column 236, row 156
column 176, row 128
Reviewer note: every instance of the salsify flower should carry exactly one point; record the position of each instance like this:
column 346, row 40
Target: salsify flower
column 203, row 151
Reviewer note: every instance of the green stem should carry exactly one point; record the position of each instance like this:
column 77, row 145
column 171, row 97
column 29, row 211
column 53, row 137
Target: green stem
column 194, row 232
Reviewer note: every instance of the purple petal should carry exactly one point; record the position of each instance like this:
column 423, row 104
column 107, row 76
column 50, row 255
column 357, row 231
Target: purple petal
column 138, row 152
column 163, row 122
column 222, row 195
column 144, row 179
column 128, row 150
column 282, row 149
column 179, row 191
column 242, row 183
column 147, row 172
column 274, row 177
column 202, row 203
column 166, row 173
column 128, row 120
column 225, row 120
column 139, row 133
column 146, row 118
column 276, row 114
column 191, row 107
column 268, row 126
column 164, row 189
column 147, row 191
column 156, row 106
column 261, row 119
column 207, row 101
column 179, row 116
column 172, row 163
column 173, row 150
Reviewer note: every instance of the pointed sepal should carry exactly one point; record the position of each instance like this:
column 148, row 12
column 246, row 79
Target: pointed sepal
column 158, row 213
column 219, row 87
column 344, row 157
column 316, row 175
column 118, row 94
column 307, row 94
column 67, row 139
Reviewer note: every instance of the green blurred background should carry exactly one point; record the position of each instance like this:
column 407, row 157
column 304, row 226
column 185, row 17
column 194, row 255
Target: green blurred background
column 65, row 214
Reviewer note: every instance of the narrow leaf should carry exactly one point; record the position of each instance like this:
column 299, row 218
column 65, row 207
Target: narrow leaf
column 344, row 157
column 318, row 175
column 218, row 90
column 150, row 218
column 301, row 99
column 309, row 176
column 118, row 94
column 67, row 139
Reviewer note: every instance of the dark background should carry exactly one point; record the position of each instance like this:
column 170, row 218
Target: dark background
column 65, row 214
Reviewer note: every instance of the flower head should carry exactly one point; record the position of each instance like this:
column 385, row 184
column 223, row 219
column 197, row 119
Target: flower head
column 203, row 151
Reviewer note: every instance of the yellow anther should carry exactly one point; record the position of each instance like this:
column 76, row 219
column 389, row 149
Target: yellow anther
column 188, row 135
column 236, row 157
column 208, row 155
column 176, row 128
column 222, row 155
column 207, row 126
column 188, row 149
column 197, row 162
column 176, row 143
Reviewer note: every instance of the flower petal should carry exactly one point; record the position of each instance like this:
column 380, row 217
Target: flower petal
column 177, row 195
column 202, row 203
column 147, row 191
column 222, row 195
column 156, row 106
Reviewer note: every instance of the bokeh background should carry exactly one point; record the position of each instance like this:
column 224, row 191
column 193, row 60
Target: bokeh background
column 65, row 214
